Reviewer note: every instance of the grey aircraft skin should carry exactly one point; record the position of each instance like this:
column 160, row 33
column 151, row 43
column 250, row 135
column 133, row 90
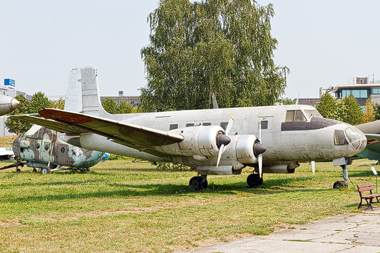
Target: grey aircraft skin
column 7, row 104
column 290, row 134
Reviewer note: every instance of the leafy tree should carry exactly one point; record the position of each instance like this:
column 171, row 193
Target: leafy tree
column 349, row 111
column 327, row 106
column 110, row 106
column 39, row 101
column 287, row 101
column 124, row 107
column 215, row 46
column 369, row 112
column 59, row 104
column 377, row 111
column 15, row 125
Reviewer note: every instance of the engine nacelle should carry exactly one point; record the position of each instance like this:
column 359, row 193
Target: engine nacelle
column 245, row 146
column 199, row 141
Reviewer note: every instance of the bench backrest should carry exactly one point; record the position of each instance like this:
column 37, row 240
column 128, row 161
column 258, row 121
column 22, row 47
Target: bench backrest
column 365, row 187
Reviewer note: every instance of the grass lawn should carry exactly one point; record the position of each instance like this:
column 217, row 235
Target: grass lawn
column 121, row 206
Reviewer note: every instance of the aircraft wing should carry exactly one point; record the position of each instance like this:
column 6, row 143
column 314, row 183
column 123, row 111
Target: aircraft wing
column 134, row 136
column 51, row 124
column 372, row 150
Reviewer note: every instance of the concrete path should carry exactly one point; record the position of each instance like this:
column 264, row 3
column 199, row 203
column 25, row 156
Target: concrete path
column 357, row 232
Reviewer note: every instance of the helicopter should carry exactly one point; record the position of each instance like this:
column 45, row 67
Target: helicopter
column 42, row 148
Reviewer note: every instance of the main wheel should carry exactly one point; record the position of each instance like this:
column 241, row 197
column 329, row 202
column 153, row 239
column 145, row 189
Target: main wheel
column 254, row 181
column 338, row 185
column 45, row 170
column 198, row 183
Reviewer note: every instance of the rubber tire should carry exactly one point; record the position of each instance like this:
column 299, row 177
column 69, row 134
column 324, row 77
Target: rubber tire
column 254, row 181
column 45, row 170
column 18, row 170
column 197, row 183
column 338, row 185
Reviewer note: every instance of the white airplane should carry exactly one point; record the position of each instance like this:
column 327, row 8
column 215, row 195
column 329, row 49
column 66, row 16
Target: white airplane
column 270, row 139
column 7, row 104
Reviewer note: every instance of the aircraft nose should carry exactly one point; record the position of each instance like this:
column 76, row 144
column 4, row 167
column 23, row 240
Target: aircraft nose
column 356, row 138
column 14, row 103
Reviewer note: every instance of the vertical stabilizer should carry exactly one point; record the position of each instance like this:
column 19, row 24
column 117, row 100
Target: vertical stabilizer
column 73, row 101
column 83, row 92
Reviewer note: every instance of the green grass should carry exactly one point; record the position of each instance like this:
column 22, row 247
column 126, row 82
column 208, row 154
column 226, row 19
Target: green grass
column 122, row 206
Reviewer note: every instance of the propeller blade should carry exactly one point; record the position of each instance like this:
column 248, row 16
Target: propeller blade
column 229, row 126
column 313, row 166
column 223, row 140
column 261, row 165
column 221, row 150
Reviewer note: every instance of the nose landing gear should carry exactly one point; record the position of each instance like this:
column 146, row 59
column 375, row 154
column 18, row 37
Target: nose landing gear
column 340, row 184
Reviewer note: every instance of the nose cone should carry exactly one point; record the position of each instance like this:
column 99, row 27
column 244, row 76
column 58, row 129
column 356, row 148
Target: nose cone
column 14, row 104
column 7, row 104
column 357, row 138
column 259, row 149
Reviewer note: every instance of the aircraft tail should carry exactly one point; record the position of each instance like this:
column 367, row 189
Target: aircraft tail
column 83, row 92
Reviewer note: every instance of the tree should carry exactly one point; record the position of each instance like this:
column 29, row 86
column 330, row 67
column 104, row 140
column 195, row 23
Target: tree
column 59, row 104
column 327, row 106
column 39, row 101
column 124, row 107
column 377, row 111
column 15, row 125
column 369, row 112
column 110, row 106
column 215, row 46
column 287, row 101
column 349, row 111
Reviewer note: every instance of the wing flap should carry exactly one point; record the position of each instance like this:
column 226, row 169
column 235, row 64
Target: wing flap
column 132, row 135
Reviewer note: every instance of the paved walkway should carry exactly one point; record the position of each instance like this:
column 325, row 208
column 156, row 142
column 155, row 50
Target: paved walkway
column 357, row 232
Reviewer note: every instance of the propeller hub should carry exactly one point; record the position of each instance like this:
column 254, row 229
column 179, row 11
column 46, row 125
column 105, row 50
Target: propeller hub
column 223, row 140
column 259, row 149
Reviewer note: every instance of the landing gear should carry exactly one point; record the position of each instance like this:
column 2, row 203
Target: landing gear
column 45, row 170
column 340, row 184
column 254, row 181
column 198, row 183
column 34, row 169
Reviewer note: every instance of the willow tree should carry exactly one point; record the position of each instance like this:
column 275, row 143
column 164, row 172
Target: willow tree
column 216, row 46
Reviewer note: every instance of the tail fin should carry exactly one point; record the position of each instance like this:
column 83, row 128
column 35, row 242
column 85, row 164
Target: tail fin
column 83, row 92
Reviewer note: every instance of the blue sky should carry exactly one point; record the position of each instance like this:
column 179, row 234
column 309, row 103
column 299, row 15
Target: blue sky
column 323, row 43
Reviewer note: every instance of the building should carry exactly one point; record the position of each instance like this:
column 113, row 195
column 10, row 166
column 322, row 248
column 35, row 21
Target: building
column 362, row 89
column 132, row 100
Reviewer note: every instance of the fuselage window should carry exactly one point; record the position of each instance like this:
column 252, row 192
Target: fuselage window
column 264, row 124
column 173, row 126
column 207, row 124
column 223, row 125
column 294, row 116
column 340, row 138
column 189, row 124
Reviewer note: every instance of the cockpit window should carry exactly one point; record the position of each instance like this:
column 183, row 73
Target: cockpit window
column 340, row 138
column 353, row 137
column 294, row 116
column 312, row 113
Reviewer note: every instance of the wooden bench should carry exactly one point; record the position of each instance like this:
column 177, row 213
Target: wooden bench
column 368, row 187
